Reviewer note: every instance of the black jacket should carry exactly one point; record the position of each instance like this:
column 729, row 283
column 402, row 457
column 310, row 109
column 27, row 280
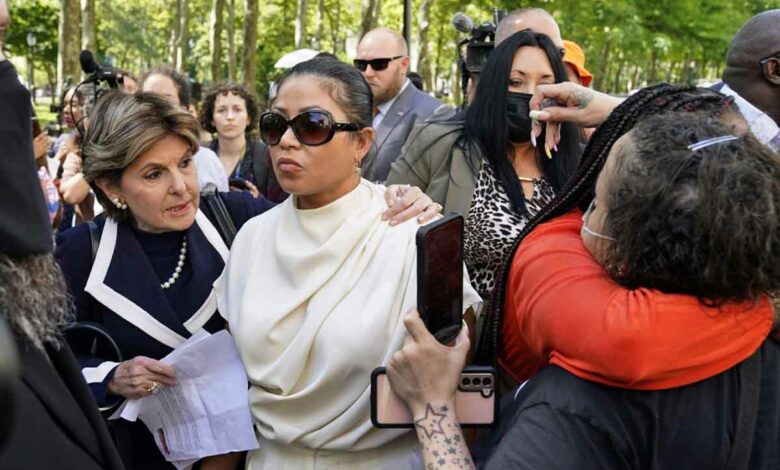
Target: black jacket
column 55, row 422
column 559, row 421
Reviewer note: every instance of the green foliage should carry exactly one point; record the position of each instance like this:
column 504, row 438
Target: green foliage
column 628, row 43
column 39, row 17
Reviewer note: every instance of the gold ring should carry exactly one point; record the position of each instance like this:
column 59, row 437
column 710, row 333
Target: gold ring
column 154, row 388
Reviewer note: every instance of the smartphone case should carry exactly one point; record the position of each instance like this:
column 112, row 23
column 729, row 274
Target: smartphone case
column 477, row 408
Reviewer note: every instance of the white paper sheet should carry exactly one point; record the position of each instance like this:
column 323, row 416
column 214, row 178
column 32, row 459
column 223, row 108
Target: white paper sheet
column 207, row 412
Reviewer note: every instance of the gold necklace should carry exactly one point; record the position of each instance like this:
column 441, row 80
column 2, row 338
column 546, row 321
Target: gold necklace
column 525, row 179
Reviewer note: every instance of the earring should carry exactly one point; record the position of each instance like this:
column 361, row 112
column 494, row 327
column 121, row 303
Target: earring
column 358, row 170
column 119, row 205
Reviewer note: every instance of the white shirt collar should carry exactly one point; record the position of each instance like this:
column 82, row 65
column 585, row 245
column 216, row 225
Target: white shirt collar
column 764, row 127
column 385, row 107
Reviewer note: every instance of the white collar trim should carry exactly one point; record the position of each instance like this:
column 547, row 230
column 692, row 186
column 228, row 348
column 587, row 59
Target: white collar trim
column 129, row 310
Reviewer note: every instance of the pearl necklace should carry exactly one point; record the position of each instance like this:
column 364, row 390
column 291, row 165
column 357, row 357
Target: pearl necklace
column 182, row 256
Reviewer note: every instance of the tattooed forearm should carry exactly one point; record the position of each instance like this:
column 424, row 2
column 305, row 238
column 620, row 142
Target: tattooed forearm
column 442, row 440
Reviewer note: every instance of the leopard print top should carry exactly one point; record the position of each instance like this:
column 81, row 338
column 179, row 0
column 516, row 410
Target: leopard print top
column 492, row 226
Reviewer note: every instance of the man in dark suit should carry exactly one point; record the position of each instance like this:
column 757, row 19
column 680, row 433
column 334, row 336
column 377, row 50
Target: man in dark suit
column 54, row 422
column 383, row 58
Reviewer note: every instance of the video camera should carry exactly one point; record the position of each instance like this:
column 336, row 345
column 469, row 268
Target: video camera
column 478, row 44
column 99, row 79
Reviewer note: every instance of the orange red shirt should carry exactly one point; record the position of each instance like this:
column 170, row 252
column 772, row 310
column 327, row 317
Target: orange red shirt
column 562, row 308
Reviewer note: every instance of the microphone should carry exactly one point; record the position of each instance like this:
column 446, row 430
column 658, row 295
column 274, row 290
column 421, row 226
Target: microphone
column 462, row 22
column 88, row 64
column 99, row 72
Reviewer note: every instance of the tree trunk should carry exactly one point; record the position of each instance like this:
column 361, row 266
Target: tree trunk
column 424, row 57
column 320, row 23
column 300, row 24
column 250, row 43
column 370, row 9
column 68, row 67
column 88, row 25
column 182, row 47
column 603, row 66
column 174, row 30
column 215, row 34
column 231, row 37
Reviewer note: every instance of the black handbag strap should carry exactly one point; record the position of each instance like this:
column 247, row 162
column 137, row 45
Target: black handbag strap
column 225, row 225
column 750, row 385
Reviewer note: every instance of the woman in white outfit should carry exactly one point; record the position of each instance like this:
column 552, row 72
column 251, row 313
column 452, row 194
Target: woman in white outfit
column 315, row 290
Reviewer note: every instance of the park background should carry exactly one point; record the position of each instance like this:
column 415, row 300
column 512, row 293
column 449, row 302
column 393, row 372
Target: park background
column 628, row 43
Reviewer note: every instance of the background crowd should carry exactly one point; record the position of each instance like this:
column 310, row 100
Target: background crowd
column 622, row 258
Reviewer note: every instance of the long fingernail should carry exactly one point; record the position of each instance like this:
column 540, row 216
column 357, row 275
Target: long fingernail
column 539, row 115
column 533, row 138
column 555, row 147
column 547, row 151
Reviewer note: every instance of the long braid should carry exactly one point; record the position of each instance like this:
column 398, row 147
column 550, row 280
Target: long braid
column 648, row 101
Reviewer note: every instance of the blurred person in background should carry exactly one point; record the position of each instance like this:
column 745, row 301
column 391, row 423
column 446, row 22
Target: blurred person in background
column 574, row 60
column 231, row 112
column 175, row 86
column 383, row 59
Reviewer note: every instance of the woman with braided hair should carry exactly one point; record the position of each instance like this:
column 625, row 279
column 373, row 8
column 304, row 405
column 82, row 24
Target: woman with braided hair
column 651, row 308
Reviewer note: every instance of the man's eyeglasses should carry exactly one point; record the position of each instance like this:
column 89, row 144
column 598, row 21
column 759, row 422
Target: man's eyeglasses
column 311, row 128
column 776, row 56
column 586, row 217
column 376, row 64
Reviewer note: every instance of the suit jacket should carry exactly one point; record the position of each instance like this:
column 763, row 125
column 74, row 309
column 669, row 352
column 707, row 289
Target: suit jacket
column 121, row 292
column 56, row 423
column 411, row 106
column 433, row 160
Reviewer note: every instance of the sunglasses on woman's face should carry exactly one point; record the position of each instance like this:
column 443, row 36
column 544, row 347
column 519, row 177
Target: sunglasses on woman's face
column 311, row 128
column 376, row 64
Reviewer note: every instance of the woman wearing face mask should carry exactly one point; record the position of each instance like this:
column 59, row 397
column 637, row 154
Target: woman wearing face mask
column 490, row 168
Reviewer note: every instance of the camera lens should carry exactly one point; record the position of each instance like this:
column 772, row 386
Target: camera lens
column 465, row 381
column 477, row 381
column 486, row 381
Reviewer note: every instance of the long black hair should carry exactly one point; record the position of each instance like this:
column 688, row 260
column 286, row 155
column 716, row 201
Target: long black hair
column 579, row 190
column 486, row 127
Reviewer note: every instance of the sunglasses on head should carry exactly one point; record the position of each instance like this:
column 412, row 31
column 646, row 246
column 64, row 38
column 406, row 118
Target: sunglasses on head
column 311, row 128
column 376, row 64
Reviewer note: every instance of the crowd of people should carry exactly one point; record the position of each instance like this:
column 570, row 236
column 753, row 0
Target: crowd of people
column 622, row 260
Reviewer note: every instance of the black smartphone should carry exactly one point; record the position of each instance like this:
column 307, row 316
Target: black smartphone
column 239, row 183
column 440, row 276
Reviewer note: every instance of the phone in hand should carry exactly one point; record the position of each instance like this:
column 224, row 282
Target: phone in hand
column 238, row 183
column 475, row 400
column 440, row 276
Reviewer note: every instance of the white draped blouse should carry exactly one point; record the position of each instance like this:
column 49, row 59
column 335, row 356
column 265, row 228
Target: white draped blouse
column 315, row 301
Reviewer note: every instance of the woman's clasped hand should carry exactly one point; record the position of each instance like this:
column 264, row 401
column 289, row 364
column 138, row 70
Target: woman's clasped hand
column 141, row 376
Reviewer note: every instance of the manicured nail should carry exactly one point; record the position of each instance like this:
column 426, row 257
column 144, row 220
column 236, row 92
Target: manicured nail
column 555, row 147
column 533, row 138
column 547, row 151
column 539, row 115
column 384, row 217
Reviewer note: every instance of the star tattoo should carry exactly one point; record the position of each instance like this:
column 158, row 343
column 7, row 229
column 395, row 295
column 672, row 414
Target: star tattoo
column 431, row 422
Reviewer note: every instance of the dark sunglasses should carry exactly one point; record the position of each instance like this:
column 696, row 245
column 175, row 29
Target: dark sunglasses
column 376, row 64
column 311, row 128
column 763, row 61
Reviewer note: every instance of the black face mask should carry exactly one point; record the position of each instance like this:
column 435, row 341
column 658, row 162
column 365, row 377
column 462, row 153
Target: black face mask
column 519, row 123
